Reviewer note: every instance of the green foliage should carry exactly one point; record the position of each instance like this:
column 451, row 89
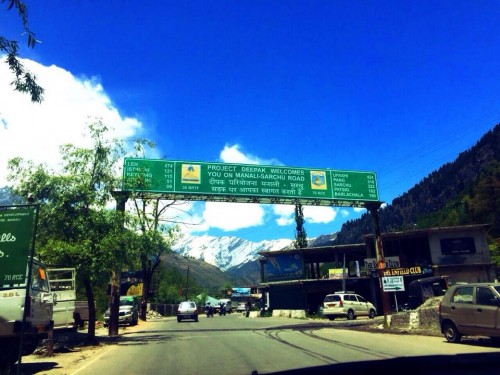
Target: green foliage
column 76, row 228
column 171, row 286
column 25, row 81
column 300, row 231
column 464, row 192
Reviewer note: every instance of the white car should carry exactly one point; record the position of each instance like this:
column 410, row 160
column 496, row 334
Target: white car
column 347, row 304
column 187, row 310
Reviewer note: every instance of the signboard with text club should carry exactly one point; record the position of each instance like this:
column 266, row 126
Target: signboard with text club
column 186, row 180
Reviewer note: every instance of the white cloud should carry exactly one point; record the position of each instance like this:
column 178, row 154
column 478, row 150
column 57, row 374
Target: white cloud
column 34, row 131
column 359, row 209
column 312, row 214
column 233, row 154
column 233, row 216
column 285, row 214
column 318, row 214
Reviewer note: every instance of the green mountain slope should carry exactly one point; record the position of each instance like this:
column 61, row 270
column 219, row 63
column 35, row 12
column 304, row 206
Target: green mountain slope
column 466, row 191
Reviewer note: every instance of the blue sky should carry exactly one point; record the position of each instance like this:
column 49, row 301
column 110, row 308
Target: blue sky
column 394, row 87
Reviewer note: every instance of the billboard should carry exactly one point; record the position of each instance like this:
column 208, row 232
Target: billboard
column 240, row 292
column 17, row 233
column 267, row 184
column 284, row 267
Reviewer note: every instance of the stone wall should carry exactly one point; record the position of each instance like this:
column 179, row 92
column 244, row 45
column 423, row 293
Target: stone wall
column 297, row 314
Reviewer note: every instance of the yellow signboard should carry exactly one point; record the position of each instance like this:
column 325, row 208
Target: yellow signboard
column 403, row 271
column 336, row 273
column 135, row 290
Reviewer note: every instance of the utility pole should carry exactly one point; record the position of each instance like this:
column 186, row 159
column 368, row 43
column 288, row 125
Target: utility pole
column 379, row 250
column 187, row 283
column 121, row 198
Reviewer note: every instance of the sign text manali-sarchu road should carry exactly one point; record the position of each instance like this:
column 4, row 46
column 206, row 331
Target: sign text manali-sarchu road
column 241, row 182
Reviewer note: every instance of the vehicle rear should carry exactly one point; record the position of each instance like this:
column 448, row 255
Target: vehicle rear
column 63, row 286
column 187, row 310
column 333, row 306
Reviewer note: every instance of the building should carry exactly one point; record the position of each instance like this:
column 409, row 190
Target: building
column 300, row 278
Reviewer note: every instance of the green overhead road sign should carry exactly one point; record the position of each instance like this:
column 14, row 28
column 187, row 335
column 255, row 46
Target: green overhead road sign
column 244, row 182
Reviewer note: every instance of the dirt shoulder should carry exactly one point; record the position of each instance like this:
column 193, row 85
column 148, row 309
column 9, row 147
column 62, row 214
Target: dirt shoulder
column 73, row 348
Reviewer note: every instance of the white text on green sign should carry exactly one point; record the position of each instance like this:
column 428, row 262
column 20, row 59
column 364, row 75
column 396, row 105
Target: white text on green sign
column 183, row 177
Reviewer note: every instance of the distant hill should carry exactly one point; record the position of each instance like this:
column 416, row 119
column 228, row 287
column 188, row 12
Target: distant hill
column 200, row 272
column 466, row 191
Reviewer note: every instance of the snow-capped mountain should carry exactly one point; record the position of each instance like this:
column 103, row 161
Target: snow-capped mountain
column 225, row 252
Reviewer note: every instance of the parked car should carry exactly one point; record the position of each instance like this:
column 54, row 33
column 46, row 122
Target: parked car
column 241, row 307
column 128, row 311
column 422, row 289
column 347, row 304
column 470, row 310
column 187, row 310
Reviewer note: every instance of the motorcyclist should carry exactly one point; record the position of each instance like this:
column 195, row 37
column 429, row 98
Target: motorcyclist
column 222, row 309
column 209, row 310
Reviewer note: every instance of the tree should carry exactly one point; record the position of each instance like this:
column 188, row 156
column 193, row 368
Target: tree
column 157, row 232
column 300, row 232
column 75, row 226
column 25, row 81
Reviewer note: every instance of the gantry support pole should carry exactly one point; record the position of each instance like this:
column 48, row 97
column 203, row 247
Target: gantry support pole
column 379, row 250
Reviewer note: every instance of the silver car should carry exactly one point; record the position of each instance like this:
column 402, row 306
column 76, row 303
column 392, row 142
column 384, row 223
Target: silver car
column 347, row 304
column 470, row 310
column 187, row 310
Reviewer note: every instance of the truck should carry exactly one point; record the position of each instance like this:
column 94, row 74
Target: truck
column 63, row 286
column 37, row 308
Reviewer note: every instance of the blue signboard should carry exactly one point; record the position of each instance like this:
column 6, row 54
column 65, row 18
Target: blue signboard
column 284, row 267
column 240, row 292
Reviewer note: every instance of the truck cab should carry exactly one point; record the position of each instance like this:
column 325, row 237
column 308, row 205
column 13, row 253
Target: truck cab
column 38, row 308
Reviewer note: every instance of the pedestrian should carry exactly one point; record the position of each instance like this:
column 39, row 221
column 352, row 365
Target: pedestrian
column 248, row 306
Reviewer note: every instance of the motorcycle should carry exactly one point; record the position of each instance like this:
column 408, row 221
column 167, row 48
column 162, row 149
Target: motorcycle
column 209, row 310
column 222, row 310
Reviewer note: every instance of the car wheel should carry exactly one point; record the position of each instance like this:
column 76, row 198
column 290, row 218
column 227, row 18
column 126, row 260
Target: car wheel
column 371, row 314
column 451, row 332
column 331, row 317
column 350, row 315
column 179, row 319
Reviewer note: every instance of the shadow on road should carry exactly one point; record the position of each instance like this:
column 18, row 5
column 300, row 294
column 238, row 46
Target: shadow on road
column 463, row 364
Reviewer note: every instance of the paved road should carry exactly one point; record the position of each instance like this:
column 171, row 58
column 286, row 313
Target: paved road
column 237, row 345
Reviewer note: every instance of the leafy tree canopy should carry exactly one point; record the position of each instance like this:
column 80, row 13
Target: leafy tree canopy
column 25, row 81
